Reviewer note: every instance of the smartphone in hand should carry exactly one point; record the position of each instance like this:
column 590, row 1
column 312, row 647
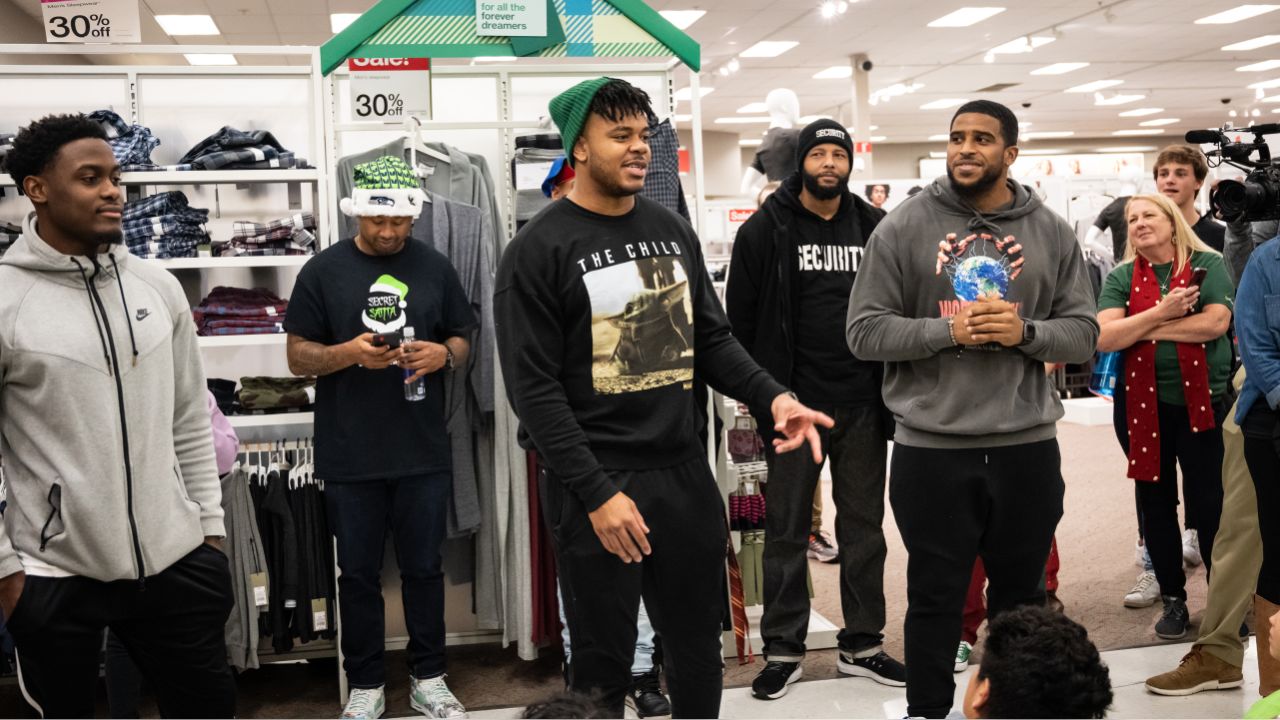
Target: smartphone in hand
column 1198, row 274
column 387, row 340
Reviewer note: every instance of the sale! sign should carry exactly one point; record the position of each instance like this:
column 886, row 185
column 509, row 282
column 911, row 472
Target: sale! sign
column 390, row 88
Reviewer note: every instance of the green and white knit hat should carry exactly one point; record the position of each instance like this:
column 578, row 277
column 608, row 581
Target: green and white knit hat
column 385, row 187
column 569, row 111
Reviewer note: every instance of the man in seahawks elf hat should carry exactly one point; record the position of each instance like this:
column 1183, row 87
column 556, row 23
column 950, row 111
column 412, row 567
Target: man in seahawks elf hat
column 611, row 408
column 386, row 460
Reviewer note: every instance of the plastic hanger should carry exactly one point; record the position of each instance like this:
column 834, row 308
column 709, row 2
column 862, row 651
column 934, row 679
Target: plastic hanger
column 415, row 145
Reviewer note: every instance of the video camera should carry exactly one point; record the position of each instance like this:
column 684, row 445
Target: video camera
column 1257, row 198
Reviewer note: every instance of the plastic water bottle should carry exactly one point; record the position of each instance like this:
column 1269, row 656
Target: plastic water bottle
column 1105, row 370
column 416, row 390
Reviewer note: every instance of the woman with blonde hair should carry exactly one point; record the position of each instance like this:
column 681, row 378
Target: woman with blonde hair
column 1168, row 308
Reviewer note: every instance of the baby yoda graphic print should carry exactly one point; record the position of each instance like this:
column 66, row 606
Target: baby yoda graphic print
column 385, row 310
column 641, row 325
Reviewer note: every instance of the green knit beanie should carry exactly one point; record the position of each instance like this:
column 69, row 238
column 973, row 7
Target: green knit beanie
column 569, row 111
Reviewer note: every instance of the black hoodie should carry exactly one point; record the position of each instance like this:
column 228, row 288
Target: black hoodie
column 789, row 282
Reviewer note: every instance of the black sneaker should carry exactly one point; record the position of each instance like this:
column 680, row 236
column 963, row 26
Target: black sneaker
column 1175, row 621
column 879, row 667
column 773, row 680
column 645, row 696
column 1244, row 631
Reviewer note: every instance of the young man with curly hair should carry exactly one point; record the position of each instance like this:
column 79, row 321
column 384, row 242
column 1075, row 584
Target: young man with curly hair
column 114, row 516
column 1037, row 663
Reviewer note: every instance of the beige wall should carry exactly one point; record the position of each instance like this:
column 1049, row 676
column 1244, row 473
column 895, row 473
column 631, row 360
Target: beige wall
column 722, row 159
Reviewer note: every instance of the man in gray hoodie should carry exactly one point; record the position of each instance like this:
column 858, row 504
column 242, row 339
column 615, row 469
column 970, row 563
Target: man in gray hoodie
column 114, row 514
column 966, row 290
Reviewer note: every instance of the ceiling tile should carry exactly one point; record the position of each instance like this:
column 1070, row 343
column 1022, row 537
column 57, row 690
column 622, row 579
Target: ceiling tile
column 299, row 24
column 298, row 7
column 238, row 7
column 258, row 38
column 243, row 24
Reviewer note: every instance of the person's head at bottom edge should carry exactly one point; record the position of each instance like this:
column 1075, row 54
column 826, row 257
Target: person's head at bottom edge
column 1037, row 663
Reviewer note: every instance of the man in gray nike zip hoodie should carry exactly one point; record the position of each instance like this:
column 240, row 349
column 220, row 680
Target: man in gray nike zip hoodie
column 966, row 290
column 114, row 514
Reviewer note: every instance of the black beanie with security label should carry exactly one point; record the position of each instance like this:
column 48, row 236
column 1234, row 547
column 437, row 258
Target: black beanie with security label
column 819, row 132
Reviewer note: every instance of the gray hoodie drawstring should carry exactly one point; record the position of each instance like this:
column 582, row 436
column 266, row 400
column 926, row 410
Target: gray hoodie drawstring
column 97, row 323
column 128, row 320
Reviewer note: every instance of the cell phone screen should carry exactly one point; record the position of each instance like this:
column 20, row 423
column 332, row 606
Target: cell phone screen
column 1198, row 275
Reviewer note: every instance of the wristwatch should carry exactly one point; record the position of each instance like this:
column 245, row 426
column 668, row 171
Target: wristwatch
column 448, row 359
column 1028, row 333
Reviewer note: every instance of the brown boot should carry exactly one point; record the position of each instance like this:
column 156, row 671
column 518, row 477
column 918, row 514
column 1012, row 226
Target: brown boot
column 1268, row 666
column 1198, row 671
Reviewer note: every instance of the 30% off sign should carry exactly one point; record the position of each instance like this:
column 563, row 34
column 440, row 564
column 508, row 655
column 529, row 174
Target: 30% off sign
column 390, row 88
column 90, row 21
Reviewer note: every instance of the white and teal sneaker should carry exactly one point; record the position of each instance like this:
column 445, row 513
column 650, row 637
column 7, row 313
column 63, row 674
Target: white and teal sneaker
column 962, row 656
column 432, row 698
column 365, row 704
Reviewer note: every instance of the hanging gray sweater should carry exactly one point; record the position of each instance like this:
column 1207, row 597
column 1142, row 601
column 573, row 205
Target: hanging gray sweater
column 940, row 395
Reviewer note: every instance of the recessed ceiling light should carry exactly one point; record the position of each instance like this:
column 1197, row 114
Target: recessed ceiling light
column 339, row 21
column 210, row 58
column 966, row 16
column 187, row 24
column 1141, row 112
column 1128, row 149
column 1253, row 44
column 755, row 107
column 745, row 120
column 879, row 138
column 768, row 48
column 944, row 103
column 1048, row 135
column 1236, row 14
column 1094, row 86
column 1272, row 99
column 835, row 72
column 682, row 118
column 1265, row 84
column 751, row 143
column 1024, row 44
column 682, row 19
column 1061, row 68
column 874, row 127
column 1161, row 121
column 1143, row 131
column 942, row 136
column 684, row 93
column 814, row 118
column 1260, row 66
column 1117, row 99
column 1024, row 124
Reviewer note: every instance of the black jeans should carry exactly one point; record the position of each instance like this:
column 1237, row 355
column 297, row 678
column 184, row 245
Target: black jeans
column 172, row 628
column 682, row 583
column 1263, row 458
column 1001, row 504
column 360, row 514
column 1200, row 457
column 858, row 452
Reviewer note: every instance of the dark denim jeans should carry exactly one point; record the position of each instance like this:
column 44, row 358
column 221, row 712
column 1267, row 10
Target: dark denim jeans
column 360, row 514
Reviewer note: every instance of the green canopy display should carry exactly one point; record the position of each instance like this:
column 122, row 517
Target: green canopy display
column 447, row 29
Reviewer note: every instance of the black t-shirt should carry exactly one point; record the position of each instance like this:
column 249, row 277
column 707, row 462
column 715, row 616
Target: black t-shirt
column 1212, row 232
column 776, row 158
column 1112, row 218
column 826, row 255
column 365, row 429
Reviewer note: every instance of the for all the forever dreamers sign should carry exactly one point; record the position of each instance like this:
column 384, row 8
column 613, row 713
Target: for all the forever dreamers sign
column 522, row 18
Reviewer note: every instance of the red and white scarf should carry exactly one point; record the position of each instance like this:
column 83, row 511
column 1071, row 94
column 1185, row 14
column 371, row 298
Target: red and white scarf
column 1141, row 397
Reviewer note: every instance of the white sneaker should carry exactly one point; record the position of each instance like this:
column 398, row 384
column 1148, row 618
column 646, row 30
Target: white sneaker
column 365, row 704
column 1191, row 548
column 1144, row 593
column 433, row 698
column 962, row 656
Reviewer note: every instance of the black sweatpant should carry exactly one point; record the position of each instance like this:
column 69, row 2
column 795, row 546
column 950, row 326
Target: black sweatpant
column 172, row 627
column 1200, row 457
column 858, row 451
column 1263, row 458
column 682, row 583
column 1001, row 504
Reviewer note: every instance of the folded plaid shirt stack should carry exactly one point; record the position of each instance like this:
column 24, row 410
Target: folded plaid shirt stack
column 237, row 311
column 131, row 144
column 293, row 235
column 232, row 149
column 164, row 226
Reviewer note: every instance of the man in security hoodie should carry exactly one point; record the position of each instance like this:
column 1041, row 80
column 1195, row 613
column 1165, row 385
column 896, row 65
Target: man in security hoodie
column 114, row 514
column 794, row 263
column 965, row 291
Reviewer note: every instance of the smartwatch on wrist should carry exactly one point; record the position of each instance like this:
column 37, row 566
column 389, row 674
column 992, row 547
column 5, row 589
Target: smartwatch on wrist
column 1028, row 333
column 448, row 359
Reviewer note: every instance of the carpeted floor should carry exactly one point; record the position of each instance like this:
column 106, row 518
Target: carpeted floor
column 1095, row 539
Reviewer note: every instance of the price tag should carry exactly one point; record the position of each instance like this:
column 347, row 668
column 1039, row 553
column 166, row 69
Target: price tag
column 91, row 21
column 319, row 614
column 530, row 176
column 390, row 88
column 259, row 583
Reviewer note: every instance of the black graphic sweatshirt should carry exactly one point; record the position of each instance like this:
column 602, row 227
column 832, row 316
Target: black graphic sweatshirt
column 602, row 323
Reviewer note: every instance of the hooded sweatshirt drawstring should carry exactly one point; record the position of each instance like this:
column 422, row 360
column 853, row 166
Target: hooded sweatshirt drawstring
column 97, row 323
column 127, row 318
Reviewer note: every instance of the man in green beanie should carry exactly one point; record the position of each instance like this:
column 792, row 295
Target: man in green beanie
column 385, row 460
column 605, row 318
